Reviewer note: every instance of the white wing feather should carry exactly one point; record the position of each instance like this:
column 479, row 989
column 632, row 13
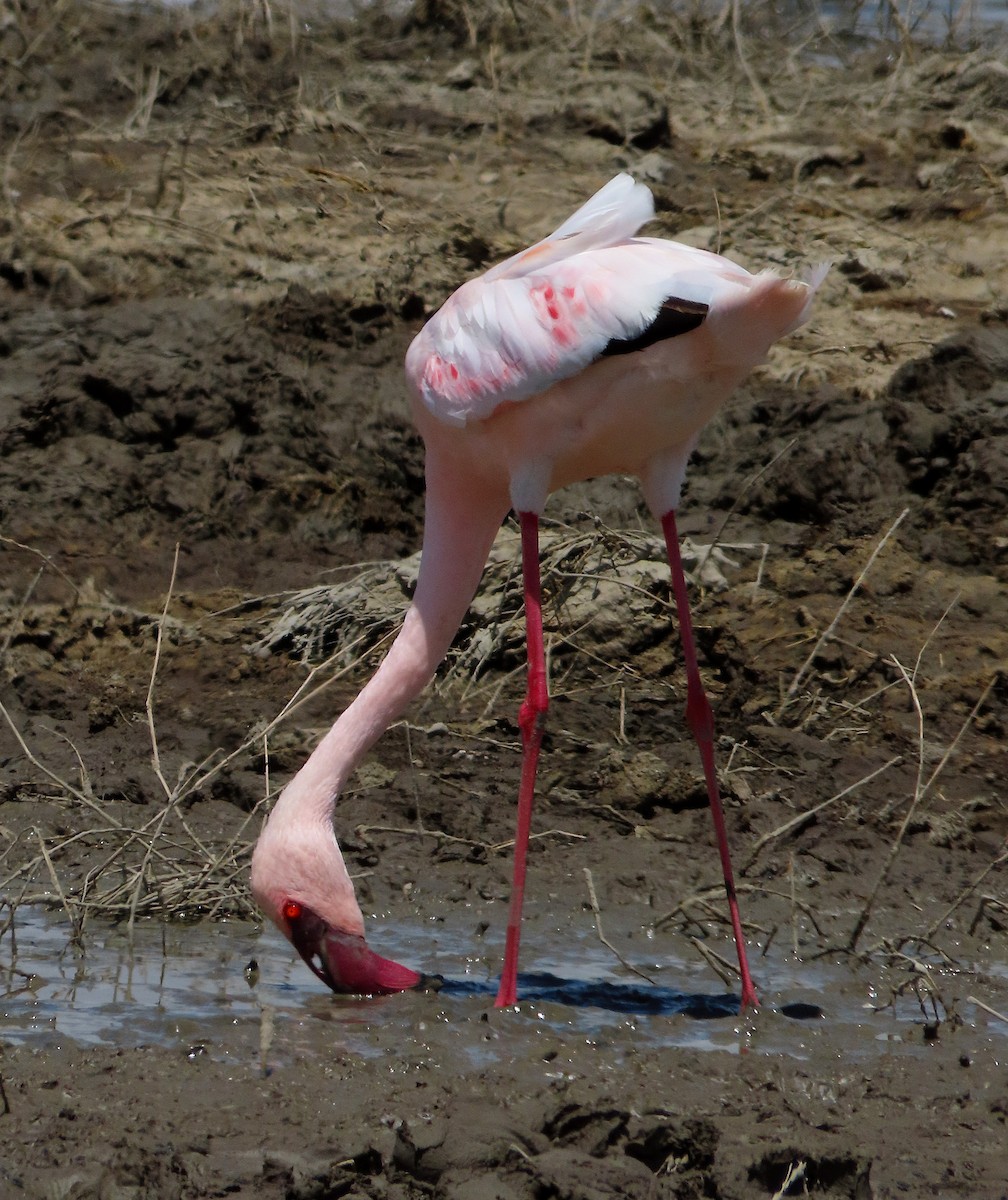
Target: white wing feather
column 547, row 313
column 612, row 215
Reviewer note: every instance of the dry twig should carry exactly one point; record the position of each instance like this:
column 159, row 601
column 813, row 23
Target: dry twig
column 801, row 818
column 920, row 791
column 827, row 633
column 593, row 899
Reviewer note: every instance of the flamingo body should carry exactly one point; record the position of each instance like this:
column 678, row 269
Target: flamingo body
column 595, row 351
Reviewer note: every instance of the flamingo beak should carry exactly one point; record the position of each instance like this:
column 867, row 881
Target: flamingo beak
column 343, row 961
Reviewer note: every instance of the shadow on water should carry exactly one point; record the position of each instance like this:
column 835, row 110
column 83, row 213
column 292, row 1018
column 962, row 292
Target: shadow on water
column 188, row 986
column 641, row 1000
column 638, row 999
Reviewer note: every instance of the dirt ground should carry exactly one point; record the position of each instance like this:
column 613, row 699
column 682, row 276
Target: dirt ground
column 217, row 235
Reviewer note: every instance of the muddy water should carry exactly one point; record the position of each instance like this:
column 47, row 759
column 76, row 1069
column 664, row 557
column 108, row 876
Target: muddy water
column 191, row 988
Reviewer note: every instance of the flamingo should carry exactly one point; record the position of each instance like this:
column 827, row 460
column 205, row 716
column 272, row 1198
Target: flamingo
column 594, row 351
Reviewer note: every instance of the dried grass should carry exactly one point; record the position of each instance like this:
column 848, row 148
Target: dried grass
column 582, row 570
column 162, row 867
column 814, row 697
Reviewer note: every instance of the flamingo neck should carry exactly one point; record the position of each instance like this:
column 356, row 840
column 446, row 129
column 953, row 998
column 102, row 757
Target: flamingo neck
column 406, row 669
column 459, row 531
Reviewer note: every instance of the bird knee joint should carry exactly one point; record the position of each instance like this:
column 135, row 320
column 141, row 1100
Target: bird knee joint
column 532, row 714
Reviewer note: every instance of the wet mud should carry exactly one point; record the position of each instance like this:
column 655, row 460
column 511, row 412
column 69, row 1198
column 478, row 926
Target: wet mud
column 217, row 235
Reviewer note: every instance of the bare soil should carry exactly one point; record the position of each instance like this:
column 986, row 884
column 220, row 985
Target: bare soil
column 218, row 234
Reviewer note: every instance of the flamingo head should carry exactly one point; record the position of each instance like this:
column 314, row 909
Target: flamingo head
column 300, row 881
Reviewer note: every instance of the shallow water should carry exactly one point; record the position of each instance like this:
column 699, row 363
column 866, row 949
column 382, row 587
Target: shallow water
column 186, row 987
column 929, row 16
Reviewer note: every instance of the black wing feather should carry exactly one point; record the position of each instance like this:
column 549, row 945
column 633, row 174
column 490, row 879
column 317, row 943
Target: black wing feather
column 675, row 317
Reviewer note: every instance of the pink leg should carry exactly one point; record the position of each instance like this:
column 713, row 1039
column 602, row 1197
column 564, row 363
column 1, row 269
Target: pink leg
column 701, row 722
column 531, row 719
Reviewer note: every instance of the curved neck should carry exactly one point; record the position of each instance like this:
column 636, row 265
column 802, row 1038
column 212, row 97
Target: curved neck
column 459, row 528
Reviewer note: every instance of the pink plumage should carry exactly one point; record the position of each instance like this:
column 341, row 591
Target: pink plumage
column 594, row 351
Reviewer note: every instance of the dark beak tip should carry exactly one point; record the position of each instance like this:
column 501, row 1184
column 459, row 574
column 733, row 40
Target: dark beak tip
column 352, row 967
column 346, row 964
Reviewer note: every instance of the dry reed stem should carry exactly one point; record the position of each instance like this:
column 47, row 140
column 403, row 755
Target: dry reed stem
column 791, row 897
column 172, row 794
column 966, row 893
column 490, row 847
column 795, row 1174
column 794, row 905
column 721, row 967
column 146, row 91
column 75, row 920
column 159, row 884
column 593, row 900
column 801, row 818
column 827, row 633
column 958, row 737
column 920, row 981
column 920, row 791
column 750, row 74
column 47, row 561
column 987, row 1008
column 746, row 487
column 60, row 782
column 706, row 901
column 861, row 705
column 18, row 617
column 149, row 704
column 862, row 920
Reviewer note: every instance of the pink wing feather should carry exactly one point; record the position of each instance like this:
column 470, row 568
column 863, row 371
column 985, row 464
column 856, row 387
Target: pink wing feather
column 545, row 314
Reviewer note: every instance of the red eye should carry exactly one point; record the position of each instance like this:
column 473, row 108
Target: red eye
column 291, row 910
